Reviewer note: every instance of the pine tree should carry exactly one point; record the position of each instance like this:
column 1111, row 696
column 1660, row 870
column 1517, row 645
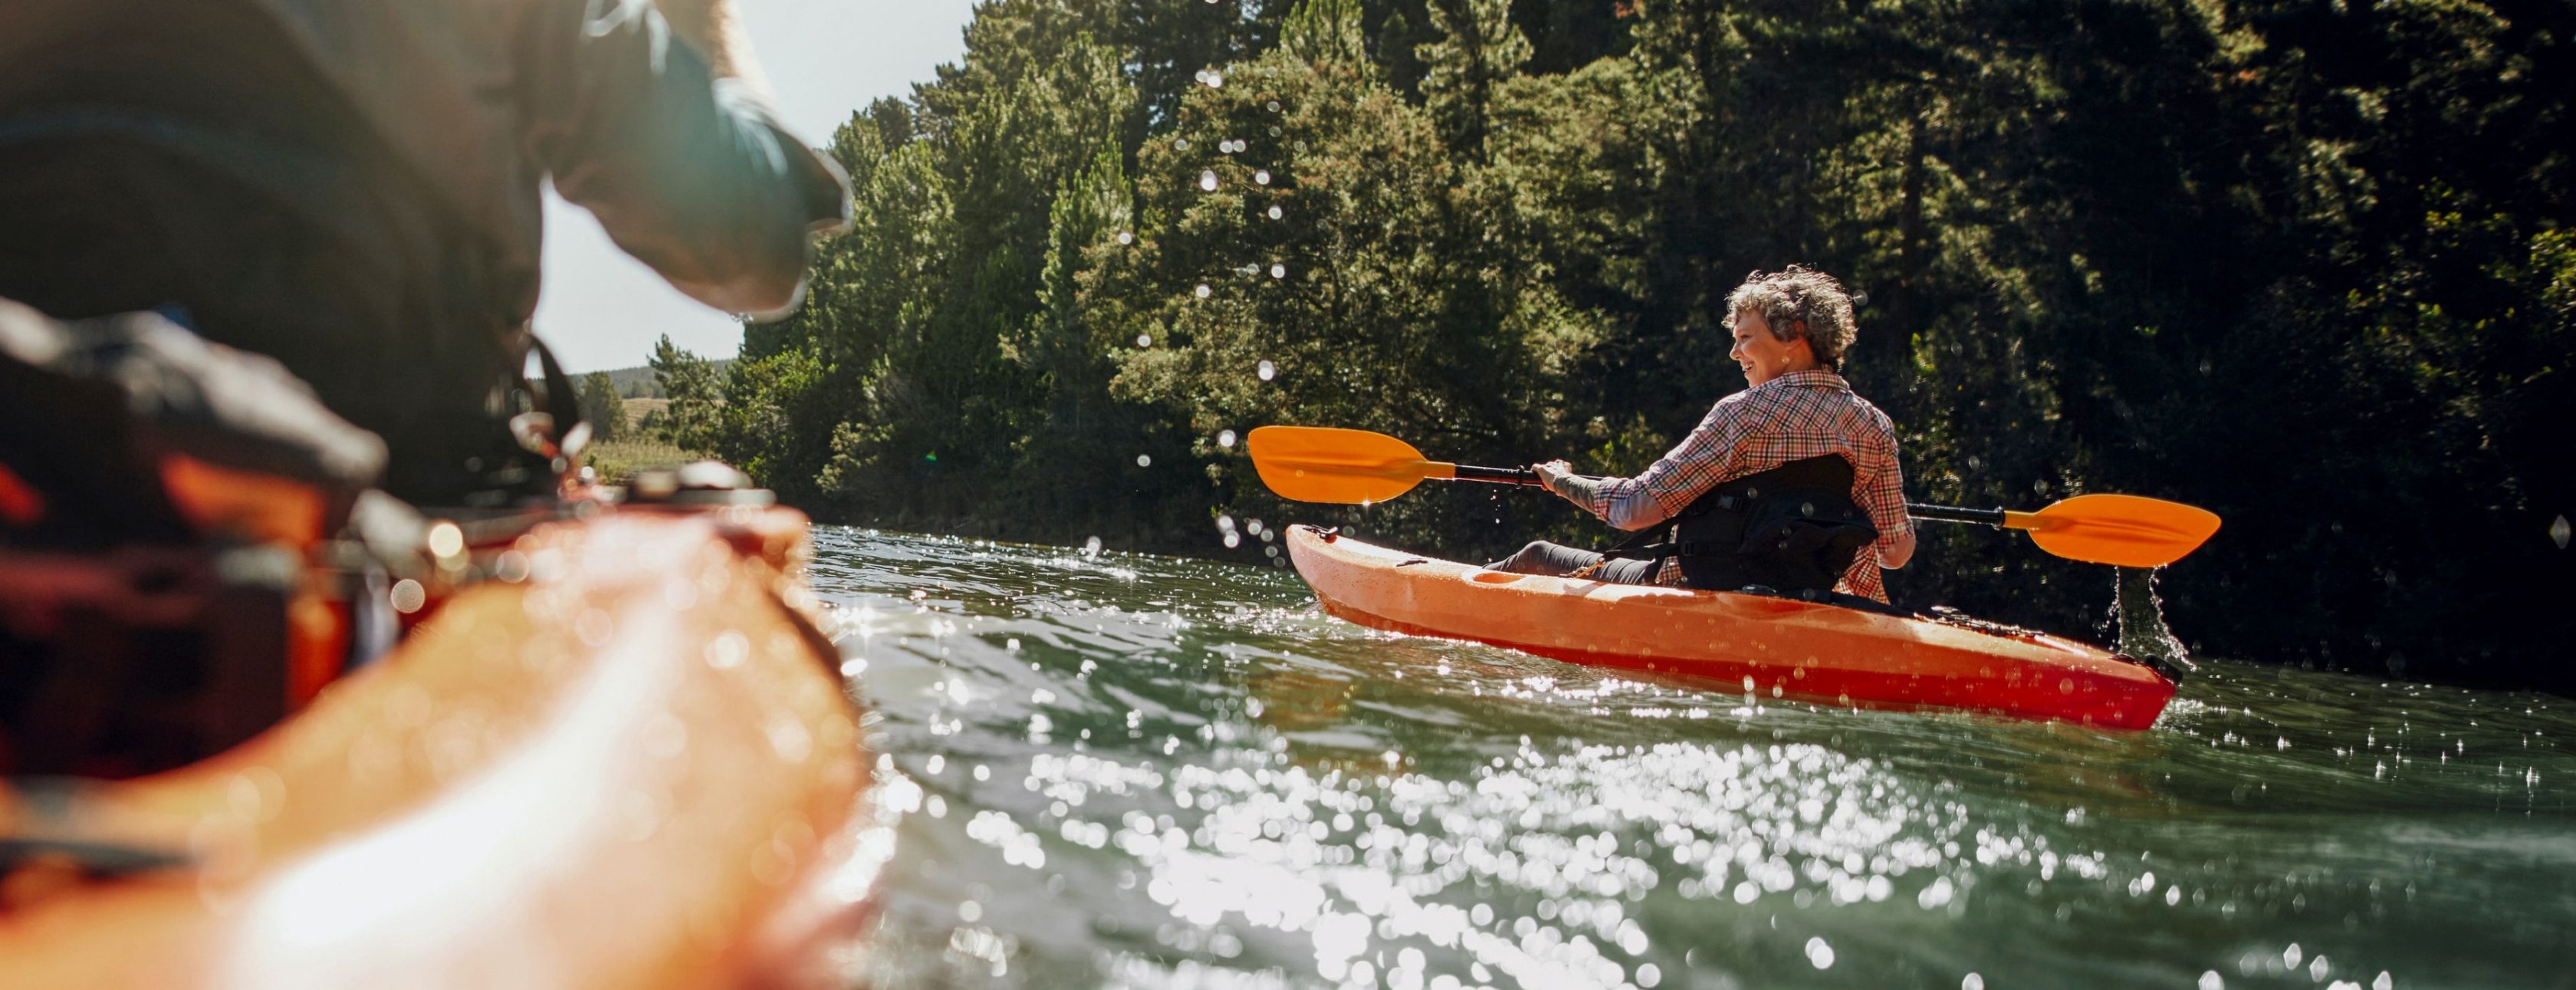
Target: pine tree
column 602, row 409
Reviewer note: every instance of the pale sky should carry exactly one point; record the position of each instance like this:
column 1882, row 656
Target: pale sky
column 827, row 58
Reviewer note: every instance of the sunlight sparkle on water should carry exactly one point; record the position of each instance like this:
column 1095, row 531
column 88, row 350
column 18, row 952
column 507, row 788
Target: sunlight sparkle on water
column 1189, row 765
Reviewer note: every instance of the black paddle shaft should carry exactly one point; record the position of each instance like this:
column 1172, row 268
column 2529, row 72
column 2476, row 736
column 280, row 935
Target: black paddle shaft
column 1942, row 513
column 1499, row 476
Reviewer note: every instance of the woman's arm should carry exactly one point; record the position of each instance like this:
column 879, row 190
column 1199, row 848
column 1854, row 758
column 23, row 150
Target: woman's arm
column 715, row 32
column 1894, row 555
column 1666, row 487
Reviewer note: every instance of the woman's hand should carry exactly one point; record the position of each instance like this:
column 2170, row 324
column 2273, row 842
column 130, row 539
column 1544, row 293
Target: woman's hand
column 1550, row 471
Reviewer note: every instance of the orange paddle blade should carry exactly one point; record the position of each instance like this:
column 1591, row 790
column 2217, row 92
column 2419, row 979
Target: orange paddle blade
column 1348, row 467
column 2120, row 530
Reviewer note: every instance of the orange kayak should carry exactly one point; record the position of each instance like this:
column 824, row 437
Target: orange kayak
column 633, row 765
column 1777, row 646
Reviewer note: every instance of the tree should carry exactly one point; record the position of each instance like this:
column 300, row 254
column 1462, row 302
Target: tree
column 602, row 409
column 690, row 421
column 2306, row 264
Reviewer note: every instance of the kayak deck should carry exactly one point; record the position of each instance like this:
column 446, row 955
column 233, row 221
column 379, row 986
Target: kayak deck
column 1781, row 646
column 636, row 767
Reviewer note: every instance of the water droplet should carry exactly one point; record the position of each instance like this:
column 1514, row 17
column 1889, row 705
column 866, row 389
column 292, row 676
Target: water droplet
column 1126, row 237
column 1144, row 340
column 1300, row 146
column 1648, row 975
column 1233, row 540
column 2291, row 956
column 1261, row 176
column 1091, row 547
column 447, row 540
column 1215, row 80
column 1972, row 982
column 409, row 596
column 2558, row 532
column 1266, row 370
column 1203, row 290
column 1272, row 106
column 1225, row 439
column 970, row 912
column 1276, row 213
column 1180, row 144
column 2210, row 980
column 1144, row 460
column 1820, row 954
column 1278, row 271
column 728, row 651
column 1207, row 180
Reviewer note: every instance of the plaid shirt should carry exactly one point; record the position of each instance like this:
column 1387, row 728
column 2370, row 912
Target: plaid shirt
column 1795, row 416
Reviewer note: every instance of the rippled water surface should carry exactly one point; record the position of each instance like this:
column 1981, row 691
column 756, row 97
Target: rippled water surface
column 1138, row 771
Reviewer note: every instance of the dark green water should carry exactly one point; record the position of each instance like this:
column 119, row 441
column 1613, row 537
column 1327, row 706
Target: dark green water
column 1133, row 771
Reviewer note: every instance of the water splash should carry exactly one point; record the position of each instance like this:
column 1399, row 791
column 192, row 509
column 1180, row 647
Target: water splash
column 2142, row 624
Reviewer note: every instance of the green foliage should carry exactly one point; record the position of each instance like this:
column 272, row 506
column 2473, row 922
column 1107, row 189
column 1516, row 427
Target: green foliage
column 602, row 408
column 2306, row 264
column 690, row 421
column 617, row 461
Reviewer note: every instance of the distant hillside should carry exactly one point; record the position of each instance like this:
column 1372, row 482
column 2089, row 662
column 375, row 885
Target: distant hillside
column 637, row 382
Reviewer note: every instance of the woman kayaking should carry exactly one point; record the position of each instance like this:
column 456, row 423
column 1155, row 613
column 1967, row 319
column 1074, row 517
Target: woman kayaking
column 1791, row 485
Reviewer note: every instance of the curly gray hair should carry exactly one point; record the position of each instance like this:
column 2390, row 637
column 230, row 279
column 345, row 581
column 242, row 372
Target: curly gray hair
column 1801, row 303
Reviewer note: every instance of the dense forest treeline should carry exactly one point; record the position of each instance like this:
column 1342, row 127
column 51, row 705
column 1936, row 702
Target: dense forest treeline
column 2308, row 264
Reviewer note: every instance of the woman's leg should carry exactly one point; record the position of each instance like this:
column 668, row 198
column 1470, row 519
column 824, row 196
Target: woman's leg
column 1542, row 557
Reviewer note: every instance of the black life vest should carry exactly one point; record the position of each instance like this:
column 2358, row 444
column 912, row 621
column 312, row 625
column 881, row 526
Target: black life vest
column 1794, row 528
